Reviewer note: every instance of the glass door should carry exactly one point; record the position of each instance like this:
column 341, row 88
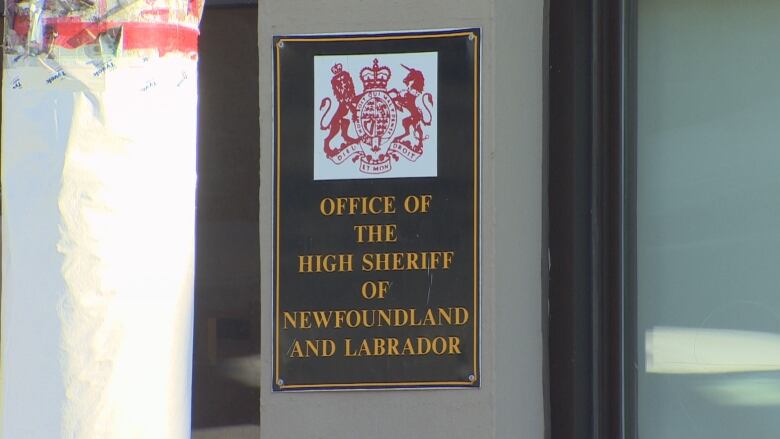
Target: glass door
column 708, row 219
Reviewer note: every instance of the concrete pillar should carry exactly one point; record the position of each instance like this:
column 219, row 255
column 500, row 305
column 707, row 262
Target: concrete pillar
column 510, row 402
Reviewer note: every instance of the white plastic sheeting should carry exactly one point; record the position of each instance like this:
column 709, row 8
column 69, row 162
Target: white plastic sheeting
column 98, row 184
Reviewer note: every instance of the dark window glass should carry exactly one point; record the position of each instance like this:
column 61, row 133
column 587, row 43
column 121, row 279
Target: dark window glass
column 226, row 394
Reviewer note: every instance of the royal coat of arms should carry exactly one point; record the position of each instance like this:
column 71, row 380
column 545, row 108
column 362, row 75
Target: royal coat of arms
column 379, row 125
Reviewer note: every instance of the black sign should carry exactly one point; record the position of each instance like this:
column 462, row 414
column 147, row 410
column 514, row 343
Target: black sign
column 376, row 211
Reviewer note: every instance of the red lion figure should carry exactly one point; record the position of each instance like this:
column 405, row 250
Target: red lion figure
column 415, row 84
column 344, row 91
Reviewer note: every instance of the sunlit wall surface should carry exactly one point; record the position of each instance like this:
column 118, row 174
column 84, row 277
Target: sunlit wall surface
column 708, row 212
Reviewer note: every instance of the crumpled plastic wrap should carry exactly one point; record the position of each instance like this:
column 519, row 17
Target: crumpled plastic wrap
column 98, row 185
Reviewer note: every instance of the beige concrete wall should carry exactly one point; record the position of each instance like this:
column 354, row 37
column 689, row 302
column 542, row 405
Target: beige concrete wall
column 510, row 402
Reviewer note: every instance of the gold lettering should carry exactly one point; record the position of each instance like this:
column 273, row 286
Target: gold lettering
column 383, row 262
column 303, row 319
column 411, row 260
column 353, row 318
column 325, row 263
column 408, row 347
column 321, row 318
column 296, row 350
column 447, row 260
column 375, row 233
column 423, row 345
column 379, row 346
column 369, row 318
column 339, row 319
column 398, row 261
column 328, row 348
column 368, row 263
column 389, row 346
column 327, row 206
column 312, row 347
column 364, row 351
column 376, row 205
column 412, row 315
column 371, row 207
column 426, row 203
column 365, row 314
column 290, row 318
column 392, row 346
column 389, row 204
column 359, row 229
column 417, row 203
column 398, row 320
column 374, row 289
column 434, row 259
column 454, row 345
column 439, row 345
column 384, row 316
column 328, row 263
column 461, row 316
column 444, row 315
column 429, row 320
column 305, row 264
column 353, row 204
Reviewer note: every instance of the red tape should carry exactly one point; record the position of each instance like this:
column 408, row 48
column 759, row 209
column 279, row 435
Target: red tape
column 72, row 33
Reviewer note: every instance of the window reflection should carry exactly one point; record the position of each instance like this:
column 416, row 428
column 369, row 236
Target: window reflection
column 708, row 203
column 227, row 283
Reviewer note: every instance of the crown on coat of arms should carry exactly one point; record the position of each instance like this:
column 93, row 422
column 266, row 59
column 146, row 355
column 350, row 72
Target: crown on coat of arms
column 375, row 77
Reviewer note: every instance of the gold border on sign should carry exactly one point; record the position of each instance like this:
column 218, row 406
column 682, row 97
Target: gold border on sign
column 476, row 177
